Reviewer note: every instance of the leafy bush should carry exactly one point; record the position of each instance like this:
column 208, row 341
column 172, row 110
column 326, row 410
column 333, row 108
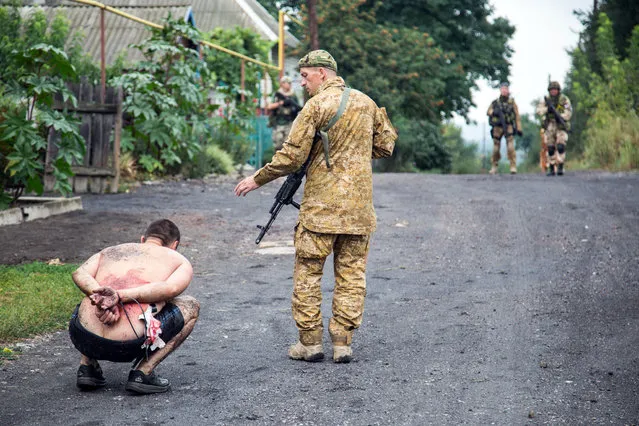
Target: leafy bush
column 28, row 122
column 213, row 159
column 166, row 97
column 231, row 130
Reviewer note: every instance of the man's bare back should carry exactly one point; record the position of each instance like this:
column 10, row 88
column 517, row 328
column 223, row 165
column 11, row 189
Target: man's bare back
column 128, row 266
column 120, row 283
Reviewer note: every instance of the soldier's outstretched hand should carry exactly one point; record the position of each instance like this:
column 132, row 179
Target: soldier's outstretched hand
column 245, row 186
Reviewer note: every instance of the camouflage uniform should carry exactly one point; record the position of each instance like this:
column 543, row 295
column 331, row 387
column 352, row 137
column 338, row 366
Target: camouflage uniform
column 556, row 135
column 283, row 116
column 511, row 116
column 336, row 213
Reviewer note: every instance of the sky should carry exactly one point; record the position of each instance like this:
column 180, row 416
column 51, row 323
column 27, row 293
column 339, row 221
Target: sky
column 545, row 29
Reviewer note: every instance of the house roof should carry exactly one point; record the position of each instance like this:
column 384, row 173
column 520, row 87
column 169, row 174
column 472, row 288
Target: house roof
column 121, row 32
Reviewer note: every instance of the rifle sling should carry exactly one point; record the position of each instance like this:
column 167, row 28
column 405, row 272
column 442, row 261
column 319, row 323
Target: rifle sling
column 324, row 132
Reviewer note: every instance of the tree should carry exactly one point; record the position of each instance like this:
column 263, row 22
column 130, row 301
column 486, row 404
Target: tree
column 608, row 100
column 422, row 72
column 226, row 68
column 17, row 34
column 466, row 28
column 294, row 7
column 464, row 158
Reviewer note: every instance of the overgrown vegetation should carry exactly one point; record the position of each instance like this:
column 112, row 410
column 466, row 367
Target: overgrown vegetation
column 173, row 127
column 166, row 99
column 419, row 59
column 35, row 299
column 30, row 119
column 35, row 70
column 603, row 84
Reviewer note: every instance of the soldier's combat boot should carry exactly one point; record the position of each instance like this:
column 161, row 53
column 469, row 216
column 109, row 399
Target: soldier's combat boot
column 312, row 353
column 560, row 169
column 513, row 170
column 342, row 352
column 551, row 170
column 493, row 169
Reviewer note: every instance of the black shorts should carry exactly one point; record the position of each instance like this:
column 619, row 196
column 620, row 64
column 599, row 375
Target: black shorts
column 99, row 348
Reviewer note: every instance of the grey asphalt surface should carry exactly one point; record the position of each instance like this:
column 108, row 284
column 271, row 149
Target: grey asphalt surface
column 501, row 300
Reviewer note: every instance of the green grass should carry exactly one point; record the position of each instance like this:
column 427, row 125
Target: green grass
column 35, row 298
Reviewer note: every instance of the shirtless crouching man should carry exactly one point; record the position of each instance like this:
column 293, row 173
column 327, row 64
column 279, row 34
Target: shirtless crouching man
column 121, row 284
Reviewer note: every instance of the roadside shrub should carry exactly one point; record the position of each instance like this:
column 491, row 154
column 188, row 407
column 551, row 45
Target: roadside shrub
column 213, row 159
column 220, row 161
column 613, row 141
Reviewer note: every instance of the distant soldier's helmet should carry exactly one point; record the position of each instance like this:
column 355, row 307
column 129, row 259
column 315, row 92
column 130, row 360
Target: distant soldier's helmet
column 504, row 84
column 286, row 79
column 318, row 58
column 554, row 85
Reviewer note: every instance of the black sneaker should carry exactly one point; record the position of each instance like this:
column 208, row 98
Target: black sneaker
column 560, row 169
column 141, row 383
column 551, row 170
column 90, row 377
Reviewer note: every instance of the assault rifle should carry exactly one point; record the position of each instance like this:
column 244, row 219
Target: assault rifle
column 502, row 120
column 554, row 112
column 285, row 195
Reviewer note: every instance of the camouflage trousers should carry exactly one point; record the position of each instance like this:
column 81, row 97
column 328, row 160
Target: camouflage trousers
column 556, row 140
column 497, row 133
column 349, row 253
column 279, row 135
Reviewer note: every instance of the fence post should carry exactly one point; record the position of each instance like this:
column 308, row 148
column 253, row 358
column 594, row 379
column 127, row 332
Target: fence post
column 115, row 183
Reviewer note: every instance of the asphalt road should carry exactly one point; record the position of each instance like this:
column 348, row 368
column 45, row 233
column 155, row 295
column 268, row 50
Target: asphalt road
column 501, row 300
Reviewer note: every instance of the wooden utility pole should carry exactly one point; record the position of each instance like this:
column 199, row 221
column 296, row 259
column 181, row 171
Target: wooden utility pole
column 312, row 23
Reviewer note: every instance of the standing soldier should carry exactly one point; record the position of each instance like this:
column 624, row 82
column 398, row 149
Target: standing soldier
column 503, row 112
column 336, row 213
column 555, row 111
column 284, row 109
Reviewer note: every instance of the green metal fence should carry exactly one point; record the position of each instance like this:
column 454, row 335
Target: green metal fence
column 262, row 142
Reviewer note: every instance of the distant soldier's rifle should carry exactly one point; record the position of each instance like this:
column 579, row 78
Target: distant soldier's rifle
column 554, row 112
column 502, row 120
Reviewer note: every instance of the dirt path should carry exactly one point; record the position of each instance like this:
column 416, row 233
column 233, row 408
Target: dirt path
column 505, row 300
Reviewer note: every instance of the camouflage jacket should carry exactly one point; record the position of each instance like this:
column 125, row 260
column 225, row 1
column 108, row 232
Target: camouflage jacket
column 562, row 105
column 338, row 200
column 510, row 110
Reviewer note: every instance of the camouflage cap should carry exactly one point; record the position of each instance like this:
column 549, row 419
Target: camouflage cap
column 554, row 85
column 286, row 79
column 504, row 84
column 318, row 58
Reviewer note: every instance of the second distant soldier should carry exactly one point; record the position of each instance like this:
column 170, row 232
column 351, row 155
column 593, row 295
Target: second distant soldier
column 503, row 113
column 555, row 111
column 284, row 109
